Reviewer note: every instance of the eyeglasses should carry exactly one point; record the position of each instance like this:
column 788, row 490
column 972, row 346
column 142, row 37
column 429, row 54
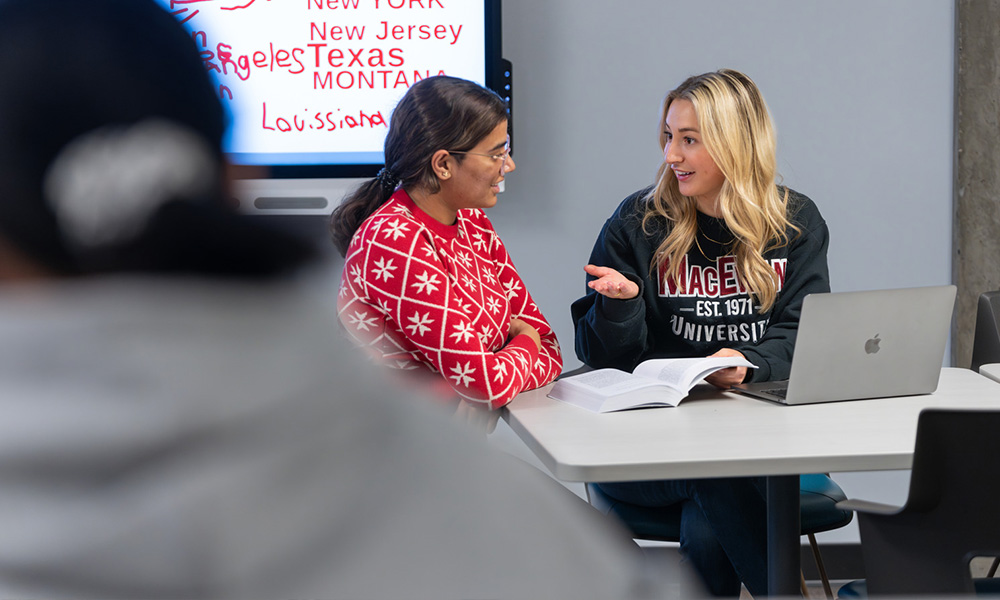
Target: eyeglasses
column 502, row 157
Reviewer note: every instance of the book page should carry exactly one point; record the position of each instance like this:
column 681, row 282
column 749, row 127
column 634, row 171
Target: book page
column 610, row 382
column 678, row 372
column 656, row 382
column 606, row 390
column 684, row 373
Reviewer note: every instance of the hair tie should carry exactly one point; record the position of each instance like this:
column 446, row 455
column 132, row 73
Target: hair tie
column 387, row 179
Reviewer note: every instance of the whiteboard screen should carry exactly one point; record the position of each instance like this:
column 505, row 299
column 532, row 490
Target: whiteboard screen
column 312, row 83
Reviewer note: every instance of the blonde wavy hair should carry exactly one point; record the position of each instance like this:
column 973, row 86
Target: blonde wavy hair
column 737, row 131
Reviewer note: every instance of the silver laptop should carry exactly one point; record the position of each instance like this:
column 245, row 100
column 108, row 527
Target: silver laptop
column 873, row 344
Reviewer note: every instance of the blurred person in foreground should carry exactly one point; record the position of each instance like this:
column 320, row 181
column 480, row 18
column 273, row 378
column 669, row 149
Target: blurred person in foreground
column 177, row 420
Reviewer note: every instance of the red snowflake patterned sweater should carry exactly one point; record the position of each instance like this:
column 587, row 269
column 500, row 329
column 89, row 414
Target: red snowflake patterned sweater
column 420, row 294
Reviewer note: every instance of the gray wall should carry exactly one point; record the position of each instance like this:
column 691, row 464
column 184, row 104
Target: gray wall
column 861, row 92
column 977, row 163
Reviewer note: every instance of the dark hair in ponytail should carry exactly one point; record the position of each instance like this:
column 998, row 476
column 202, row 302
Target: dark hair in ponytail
column 436, row 113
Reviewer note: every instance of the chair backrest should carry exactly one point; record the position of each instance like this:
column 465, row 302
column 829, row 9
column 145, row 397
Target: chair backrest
column 950, row 515
column 645, row 523
column 986, row 343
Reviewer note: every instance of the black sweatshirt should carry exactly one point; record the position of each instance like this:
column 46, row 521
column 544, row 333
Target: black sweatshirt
column 711, row 311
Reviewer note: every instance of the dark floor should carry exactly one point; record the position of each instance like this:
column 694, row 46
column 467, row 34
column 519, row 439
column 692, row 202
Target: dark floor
column 665, row 559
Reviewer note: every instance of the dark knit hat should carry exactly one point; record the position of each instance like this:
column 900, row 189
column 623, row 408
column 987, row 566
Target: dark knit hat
column 110, row 146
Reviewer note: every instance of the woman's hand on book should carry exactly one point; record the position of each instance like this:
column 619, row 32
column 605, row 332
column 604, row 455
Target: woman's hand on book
column 726, row 378
column 611, row 283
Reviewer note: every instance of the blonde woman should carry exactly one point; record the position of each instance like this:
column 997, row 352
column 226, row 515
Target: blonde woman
column 715, row 259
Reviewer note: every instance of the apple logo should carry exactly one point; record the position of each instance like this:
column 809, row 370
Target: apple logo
column 871, row 346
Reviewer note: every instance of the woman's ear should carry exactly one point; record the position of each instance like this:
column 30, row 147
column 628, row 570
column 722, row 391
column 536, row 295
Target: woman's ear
column 442, row 163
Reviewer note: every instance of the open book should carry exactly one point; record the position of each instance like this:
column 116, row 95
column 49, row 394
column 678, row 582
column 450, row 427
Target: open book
column 655, row 382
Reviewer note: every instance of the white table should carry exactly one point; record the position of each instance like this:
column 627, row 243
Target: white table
column 723, row 434
column 991, row 370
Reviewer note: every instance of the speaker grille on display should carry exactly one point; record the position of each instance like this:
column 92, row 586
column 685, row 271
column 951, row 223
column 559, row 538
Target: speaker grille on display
column 275, row 203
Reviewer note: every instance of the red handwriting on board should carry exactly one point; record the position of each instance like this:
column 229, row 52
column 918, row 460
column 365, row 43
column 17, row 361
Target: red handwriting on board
column 223, row 59
column 359, row 57
column 240, row 64
column 397, row 4
column 279, row 59
column 360, row 80
column 362, row 63
column 419, row 32
column 394, row 4
column 336, row 33
column 249, row 2
column 320, row 121
column 332, row 4
column 179, row 12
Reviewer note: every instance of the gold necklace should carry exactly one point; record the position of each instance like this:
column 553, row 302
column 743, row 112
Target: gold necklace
column 711, row 260
column 730, row 241
column 722, row 245
column 722, row 226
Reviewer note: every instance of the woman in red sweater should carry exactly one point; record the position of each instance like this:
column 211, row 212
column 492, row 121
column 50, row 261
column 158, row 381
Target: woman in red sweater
column 427, row 283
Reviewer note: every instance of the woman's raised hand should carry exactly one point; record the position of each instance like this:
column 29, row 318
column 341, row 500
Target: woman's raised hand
column 611, row 283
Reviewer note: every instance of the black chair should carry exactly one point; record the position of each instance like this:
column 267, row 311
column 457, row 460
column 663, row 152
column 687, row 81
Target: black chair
column 950, row 515
column 985, row 351
column 986, row 343
column 818, row 496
